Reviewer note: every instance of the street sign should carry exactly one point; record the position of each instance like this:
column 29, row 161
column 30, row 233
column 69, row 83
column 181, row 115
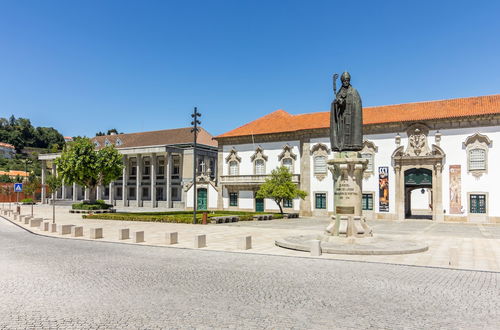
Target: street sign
column 18, row 187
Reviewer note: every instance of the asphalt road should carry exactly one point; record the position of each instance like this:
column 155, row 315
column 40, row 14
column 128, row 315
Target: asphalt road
column 73, row 284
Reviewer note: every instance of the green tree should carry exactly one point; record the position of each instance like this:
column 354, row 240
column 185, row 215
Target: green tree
column 279, row 187
column 31, row 187
column 81, row 163
column 54, row 182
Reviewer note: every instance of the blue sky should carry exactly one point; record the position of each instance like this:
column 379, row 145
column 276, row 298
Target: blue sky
column 86, row 66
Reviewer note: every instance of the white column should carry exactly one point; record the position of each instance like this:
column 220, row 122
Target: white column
column 112, row 193
column 153, row 180
column 124, row 181
column 138, row 182
column 168, row 179
column 75, row 192
column 44, row 190
column 98, row 192
column 86, row 194
column 63, row 191
column 54, row 173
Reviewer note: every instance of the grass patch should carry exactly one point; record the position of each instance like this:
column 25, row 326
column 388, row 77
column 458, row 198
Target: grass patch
column 173, row 217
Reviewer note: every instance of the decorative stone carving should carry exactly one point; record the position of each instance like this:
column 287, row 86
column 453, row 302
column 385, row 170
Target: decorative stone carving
column 417, row 141
column 477, row 146
column 233, row 155
column 368, row 152
column 287, row 153
column 259, row 154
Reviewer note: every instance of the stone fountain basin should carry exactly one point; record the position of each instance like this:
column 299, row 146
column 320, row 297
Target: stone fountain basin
column 376, row 245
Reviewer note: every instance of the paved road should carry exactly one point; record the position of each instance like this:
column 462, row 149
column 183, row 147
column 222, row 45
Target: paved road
column 60, row 283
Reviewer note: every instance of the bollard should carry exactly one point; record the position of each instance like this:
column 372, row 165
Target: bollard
column 315, row 247
column 200, row 241
column 245, row 243
column 453, row 256
column 123, row 233
column 204, row 218
column 64, row 229
column 53, row 227
column 44, row 226
column 138, row 236
column 171, row 238
column 77, row 231
column 35, row 222
column 95, row 233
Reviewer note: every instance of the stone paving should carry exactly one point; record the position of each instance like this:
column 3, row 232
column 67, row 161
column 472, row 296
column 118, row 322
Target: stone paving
column 76, row 284
column 477, row 245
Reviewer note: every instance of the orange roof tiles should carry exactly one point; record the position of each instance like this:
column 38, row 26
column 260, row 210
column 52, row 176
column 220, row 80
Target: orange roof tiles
column 281, row 121
column 13, row 173
column 6, row 145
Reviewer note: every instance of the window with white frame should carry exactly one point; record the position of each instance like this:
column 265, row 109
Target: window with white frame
column 477, row 159
column 233, row 167
column 288, row 163
column 320, row 165
column 260, row 167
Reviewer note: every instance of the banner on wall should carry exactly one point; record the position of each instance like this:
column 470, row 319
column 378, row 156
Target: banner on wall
column 455, row 189
column 383, row 189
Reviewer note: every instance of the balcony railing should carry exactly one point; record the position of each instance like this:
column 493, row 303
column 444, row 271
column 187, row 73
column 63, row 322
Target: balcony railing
column 251, row 179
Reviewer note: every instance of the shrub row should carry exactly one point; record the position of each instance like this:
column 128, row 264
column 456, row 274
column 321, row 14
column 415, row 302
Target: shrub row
column 86, row 205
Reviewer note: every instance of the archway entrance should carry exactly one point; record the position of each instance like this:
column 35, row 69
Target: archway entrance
column 418, row 193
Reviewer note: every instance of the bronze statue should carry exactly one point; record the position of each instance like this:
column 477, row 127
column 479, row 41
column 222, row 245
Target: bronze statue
column 346, row 117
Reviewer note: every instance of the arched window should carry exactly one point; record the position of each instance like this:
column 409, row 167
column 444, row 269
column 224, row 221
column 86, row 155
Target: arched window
column 477, row 159
column 233, row 167
column 260, row 167
column 320, row 165
column 288, row 163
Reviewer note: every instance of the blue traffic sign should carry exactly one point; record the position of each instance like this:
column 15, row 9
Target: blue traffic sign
column 18, row 187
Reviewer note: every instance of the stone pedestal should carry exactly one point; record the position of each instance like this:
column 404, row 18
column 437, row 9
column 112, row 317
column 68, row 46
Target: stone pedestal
column 347, row 169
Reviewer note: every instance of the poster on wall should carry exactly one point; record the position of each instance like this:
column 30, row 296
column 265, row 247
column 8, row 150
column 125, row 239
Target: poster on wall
column 455, row 189
column 383, row 189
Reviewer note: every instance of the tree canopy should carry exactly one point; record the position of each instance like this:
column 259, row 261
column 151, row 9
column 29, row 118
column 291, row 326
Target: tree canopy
column 279, row 187
column 80, row 162
column 20, row 133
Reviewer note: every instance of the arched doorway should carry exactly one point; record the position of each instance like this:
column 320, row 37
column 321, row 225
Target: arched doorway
column 418, row 193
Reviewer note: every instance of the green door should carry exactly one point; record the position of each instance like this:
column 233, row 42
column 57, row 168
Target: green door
column 202, row 199
column 259, row 205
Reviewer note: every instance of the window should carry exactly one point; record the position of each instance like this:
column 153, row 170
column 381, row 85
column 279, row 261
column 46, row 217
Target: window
column 233, row 199
column 176, row 168
column 260, row 168
column 288, row 203
column 161, row 167
column 131, row 193
column 119, row 193
column 118, row 142
column 233, row 167
column 320, row 165
column 147, row 168
column 477, row 203
column 97, row 144
column 367, row 202
column 145, row 192
column 175, row 194
column 369, row 156
column 477, row 159
column 159, row 194
column 287, row 162
column 320, row 200
column 107, row 143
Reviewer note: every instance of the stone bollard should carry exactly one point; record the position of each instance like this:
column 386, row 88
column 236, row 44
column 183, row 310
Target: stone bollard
column 171, row 238
column 200, row 241
column 123, row 233
column 138, row 236
column 77, row 231
column 35, row 222
column 16, row 216
column 64, row 229
column 315, row 248
column 27, row 219
column 95, row 233
column 453, row 256
column 245, row 243
column 44, row 226
column 53, row 227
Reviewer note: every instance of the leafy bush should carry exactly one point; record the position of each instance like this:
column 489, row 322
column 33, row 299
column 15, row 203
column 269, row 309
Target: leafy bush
column 27, row 200
column 173, row 217
column 86, row 205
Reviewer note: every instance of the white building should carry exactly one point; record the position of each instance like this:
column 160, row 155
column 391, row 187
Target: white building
column 433, row 159
column 158, row 166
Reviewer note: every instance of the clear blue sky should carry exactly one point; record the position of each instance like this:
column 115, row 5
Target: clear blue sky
column 86, row 66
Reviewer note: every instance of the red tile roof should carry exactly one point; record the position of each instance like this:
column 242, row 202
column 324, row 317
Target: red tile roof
column 7, row 145
column 281, row 121
column 157, row 138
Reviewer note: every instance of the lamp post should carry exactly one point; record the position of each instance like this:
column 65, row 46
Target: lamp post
column 195, row 130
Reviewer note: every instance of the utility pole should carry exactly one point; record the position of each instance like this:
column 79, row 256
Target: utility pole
column 195, row 130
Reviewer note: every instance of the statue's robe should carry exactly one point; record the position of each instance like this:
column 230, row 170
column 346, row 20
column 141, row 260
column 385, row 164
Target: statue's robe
column 346, row 121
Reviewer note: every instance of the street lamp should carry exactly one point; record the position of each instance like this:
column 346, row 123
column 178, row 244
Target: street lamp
column 195, row 130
